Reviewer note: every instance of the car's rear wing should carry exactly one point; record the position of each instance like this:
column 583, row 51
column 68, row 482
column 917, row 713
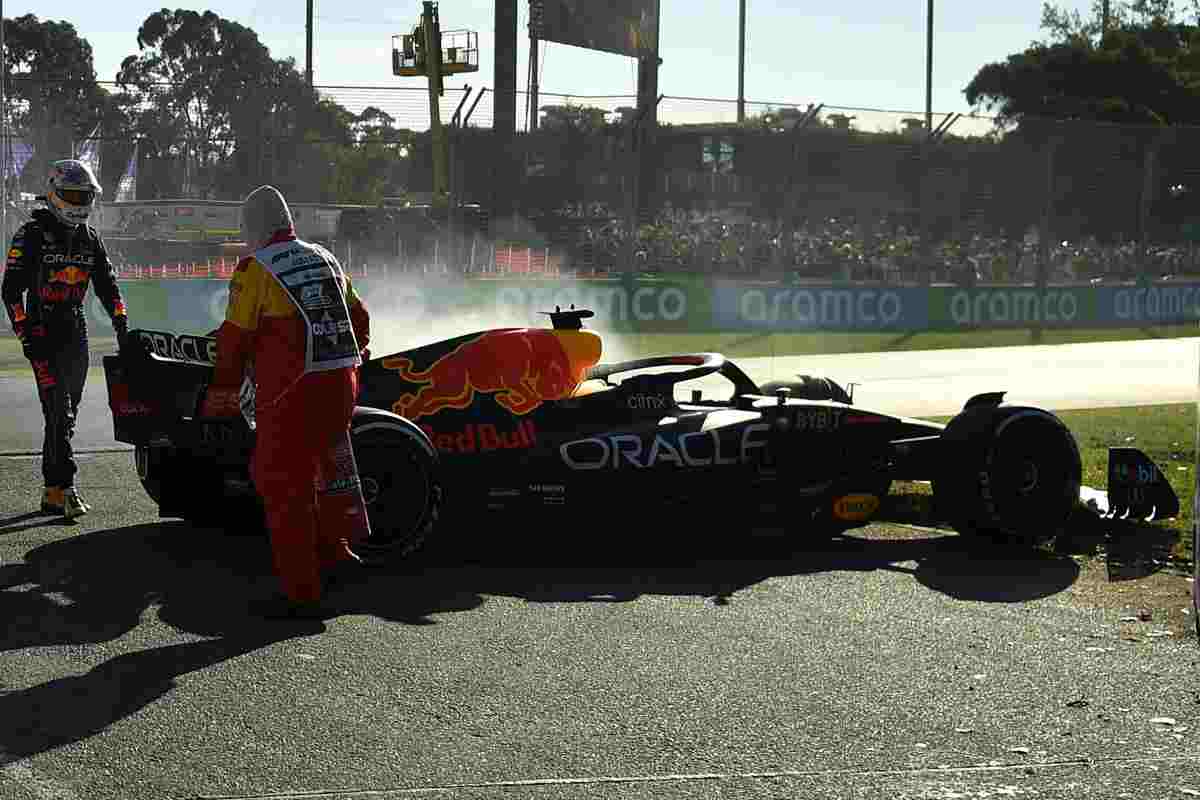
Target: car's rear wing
column 157, row 382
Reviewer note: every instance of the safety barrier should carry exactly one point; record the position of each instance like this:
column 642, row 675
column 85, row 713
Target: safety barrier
column 192, row 296
column 506, row 261
column 211, row 268
column 516, row 260
column 219, row 268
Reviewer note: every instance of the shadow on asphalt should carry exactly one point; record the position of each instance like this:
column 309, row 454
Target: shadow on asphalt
column 71, row 709
column 610, row 569
column 96, row 587
column 1131, row 549
column 23, row 522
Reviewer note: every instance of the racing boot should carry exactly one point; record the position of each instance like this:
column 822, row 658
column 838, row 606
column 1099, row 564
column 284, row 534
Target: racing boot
column 73, row 504
column 53, row 500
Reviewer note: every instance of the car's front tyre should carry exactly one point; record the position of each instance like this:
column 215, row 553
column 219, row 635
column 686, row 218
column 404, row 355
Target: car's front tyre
column 1010, row 474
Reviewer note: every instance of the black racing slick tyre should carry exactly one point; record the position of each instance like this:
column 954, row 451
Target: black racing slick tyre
column 143, row 458
column 1011, row 475
column 400, row 482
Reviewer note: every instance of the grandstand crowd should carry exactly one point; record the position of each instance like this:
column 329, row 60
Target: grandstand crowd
column 876, row 250
column 595, row 241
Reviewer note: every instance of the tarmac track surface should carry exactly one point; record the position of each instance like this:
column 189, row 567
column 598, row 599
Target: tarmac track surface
column 512, row 661
column 522, row 662
column 913, row 383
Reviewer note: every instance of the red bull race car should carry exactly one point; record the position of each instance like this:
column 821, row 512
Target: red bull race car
column 529, row 421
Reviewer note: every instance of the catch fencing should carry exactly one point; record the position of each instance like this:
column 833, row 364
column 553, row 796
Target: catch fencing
column 796, row 188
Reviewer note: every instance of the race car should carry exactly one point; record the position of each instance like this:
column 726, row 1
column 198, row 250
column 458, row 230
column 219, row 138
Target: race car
column 530, row 421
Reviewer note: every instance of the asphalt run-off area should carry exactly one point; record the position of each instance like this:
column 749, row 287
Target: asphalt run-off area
column 622, row 656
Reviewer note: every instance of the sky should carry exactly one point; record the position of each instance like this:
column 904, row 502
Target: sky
column 862, row 54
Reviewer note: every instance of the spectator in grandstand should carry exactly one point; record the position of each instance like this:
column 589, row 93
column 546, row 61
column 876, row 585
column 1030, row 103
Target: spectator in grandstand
column 306, row 383
column 53, row 258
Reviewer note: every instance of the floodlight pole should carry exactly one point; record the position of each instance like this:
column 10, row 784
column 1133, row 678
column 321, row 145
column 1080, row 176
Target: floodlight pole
column 531, row 115
column 741, row 103
column 308, row 43
column 929, row 68
column 431, row 31
column 5, row 148
column 535, row 30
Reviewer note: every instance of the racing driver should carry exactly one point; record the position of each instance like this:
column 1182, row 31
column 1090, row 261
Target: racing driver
column 294, row 315
column 52, row 259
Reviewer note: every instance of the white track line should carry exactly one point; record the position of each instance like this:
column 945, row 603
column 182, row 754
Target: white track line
column 708, row 776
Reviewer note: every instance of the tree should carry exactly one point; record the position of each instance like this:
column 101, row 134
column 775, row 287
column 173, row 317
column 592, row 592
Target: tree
column 194, row 74
column 54, row 98
column 1069, row 26
column 1144, row 69
column 585, row 119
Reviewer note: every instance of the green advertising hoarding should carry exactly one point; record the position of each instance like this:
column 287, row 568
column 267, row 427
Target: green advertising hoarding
column 619, row 305
column 698, row 305
column 198, row 305
column 146, row 302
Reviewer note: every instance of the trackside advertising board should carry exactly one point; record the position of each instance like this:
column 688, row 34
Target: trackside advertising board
column 953, row 308
column 741, row 306
column 619, row 305
column 1154, row 304
column 198, row 305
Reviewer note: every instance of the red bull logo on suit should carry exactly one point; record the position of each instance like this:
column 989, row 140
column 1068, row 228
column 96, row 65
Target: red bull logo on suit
column 69, row 275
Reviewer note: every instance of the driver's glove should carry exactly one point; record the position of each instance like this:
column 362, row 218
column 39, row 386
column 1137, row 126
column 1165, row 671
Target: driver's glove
column 120, row 325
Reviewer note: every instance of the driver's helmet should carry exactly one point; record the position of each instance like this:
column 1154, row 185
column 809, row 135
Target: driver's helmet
column 71, row 191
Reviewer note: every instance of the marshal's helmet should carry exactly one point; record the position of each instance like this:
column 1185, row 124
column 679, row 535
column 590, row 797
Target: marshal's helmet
column 71, row 191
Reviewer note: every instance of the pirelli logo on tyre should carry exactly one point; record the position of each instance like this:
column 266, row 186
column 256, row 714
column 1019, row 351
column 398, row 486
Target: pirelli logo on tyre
column 856, row 507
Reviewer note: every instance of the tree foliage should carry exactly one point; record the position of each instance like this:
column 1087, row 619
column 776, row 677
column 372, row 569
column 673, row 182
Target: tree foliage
column 195, row 75
column 215, row 115
column 573, row 116
column 1144, row 68
column 53, row 94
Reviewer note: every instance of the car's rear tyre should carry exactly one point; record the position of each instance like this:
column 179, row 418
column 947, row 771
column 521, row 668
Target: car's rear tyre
column 145, row 461
column 400, row 484
column 1011, row 475
column 160, row 470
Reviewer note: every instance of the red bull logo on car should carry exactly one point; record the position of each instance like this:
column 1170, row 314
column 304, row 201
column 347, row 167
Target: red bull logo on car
column 521, row 368
column 483, row 438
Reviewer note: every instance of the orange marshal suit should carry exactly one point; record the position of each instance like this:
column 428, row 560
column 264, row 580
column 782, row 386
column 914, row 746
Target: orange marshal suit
column 299, row 417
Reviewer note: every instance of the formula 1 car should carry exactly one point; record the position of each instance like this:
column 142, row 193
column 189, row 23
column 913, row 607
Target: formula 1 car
column 528, row 421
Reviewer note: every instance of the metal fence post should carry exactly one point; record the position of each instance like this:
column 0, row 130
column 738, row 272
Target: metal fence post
column 1047, row 226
